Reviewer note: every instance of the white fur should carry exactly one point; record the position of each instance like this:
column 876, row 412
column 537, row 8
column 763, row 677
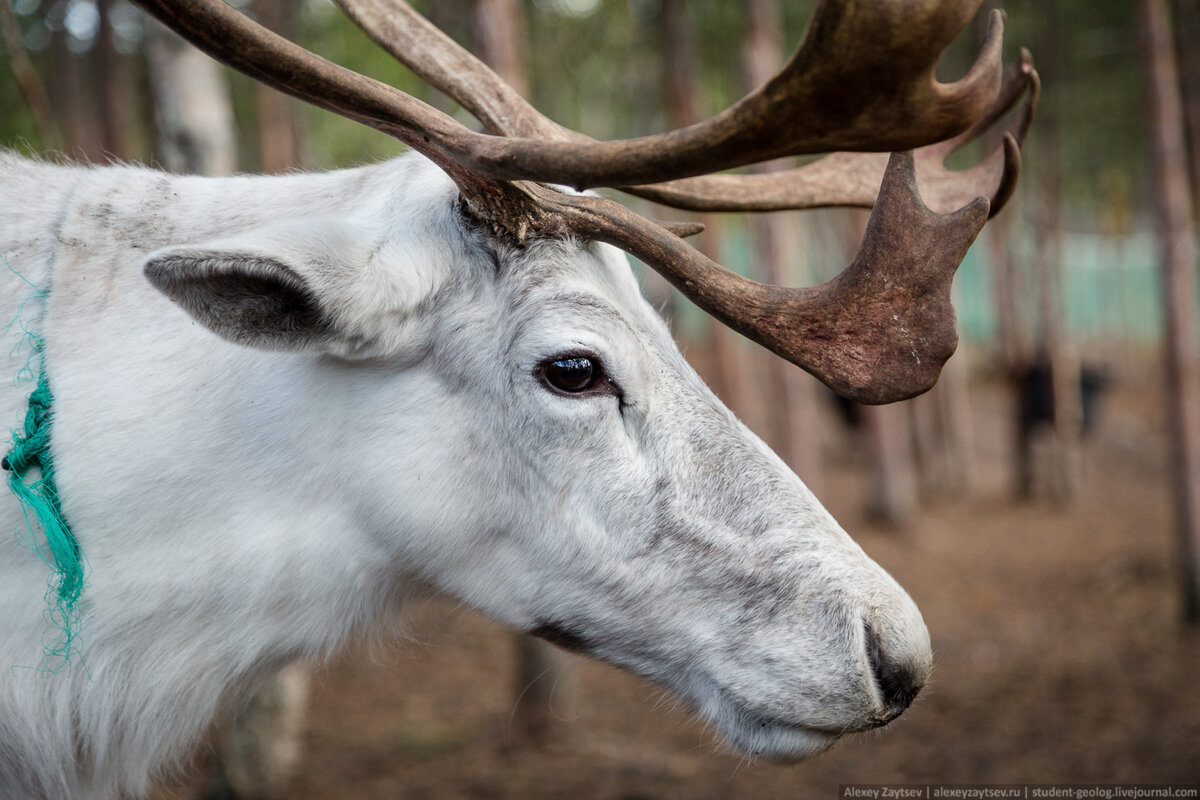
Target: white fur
column 240, row 506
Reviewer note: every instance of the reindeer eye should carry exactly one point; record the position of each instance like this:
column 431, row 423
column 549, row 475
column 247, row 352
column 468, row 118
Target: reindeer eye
column 572, row 375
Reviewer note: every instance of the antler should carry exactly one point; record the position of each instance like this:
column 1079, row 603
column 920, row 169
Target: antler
column 852, row 179
column 879, row 332
column 842, row 179
column 438, row 60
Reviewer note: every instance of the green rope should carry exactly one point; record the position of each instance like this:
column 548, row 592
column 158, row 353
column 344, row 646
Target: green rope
column 39, row 499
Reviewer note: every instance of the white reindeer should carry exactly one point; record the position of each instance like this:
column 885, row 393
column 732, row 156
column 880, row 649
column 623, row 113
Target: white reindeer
column 283, row 404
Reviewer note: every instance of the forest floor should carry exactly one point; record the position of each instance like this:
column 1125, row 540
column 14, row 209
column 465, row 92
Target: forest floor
column 1059, row 657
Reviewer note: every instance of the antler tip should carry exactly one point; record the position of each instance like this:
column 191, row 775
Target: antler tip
column 994, row 36
column 1008, row 179
column 682, row 229
column 1025, row 60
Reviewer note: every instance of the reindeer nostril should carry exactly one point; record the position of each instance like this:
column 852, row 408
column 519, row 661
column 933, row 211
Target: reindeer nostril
column 898, row 683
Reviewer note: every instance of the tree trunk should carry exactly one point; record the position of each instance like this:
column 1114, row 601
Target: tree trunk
column 28, row 82
column 113, row 88
column 1008, row 300
column 1011, row 349
column 193, row 112
column 1173, row 214
column 452, row 18
column 679, row 87
column 940, row 430
column 280, row 140
column 261, row 743
column 1015, row 355
column 1188, row 34
column 498, row 28
column 892, row 499
column 791, row 395
column 80, row 139
column 1052, row 351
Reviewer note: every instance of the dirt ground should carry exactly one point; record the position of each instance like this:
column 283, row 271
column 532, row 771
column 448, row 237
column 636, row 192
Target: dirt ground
column 1059, row 658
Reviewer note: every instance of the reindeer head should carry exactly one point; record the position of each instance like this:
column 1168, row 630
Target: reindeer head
column 676, row 544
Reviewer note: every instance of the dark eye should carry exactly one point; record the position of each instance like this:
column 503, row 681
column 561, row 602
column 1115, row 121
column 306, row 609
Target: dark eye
column 572, row 375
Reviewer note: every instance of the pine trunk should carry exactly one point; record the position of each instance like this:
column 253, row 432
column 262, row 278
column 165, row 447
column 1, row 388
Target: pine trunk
column 280, row 139
column 1173, row 214
column 791, row 395
column 113, row 88
column 725, row 372
column 1187, row 33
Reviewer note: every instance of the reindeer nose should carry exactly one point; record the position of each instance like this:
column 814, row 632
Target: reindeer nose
column 897, row 679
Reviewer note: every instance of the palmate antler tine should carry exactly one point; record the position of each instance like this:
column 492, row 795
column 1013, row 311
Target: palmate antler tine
column 1020, row 80
column 877, row 333
column 852, row 179
column 950, row 188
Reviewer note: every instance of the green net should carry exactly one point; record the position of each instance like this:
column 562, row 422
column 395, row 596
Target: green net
column 30, row 467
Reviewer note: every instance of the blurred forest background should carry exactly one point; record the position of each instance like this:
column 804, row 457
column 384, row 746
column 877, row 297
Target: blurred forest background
column 1037, row 503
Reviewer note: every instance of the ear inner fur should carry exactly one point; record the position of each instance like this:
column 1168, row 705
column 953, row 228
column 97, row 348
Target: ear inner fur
column 252, row 300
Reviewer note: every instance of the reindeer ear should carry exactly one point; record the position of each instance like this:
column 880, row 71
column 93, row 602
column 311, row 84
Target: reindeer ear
column 248, row 299
column 278, row 289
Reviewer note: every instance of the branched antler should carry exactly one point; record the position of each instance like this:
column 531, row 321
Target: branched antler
column 878, row 332
column 852, row 179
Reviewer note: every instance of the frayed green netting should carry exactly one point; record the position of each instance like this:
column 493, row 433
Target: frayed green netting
column 30, row 468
